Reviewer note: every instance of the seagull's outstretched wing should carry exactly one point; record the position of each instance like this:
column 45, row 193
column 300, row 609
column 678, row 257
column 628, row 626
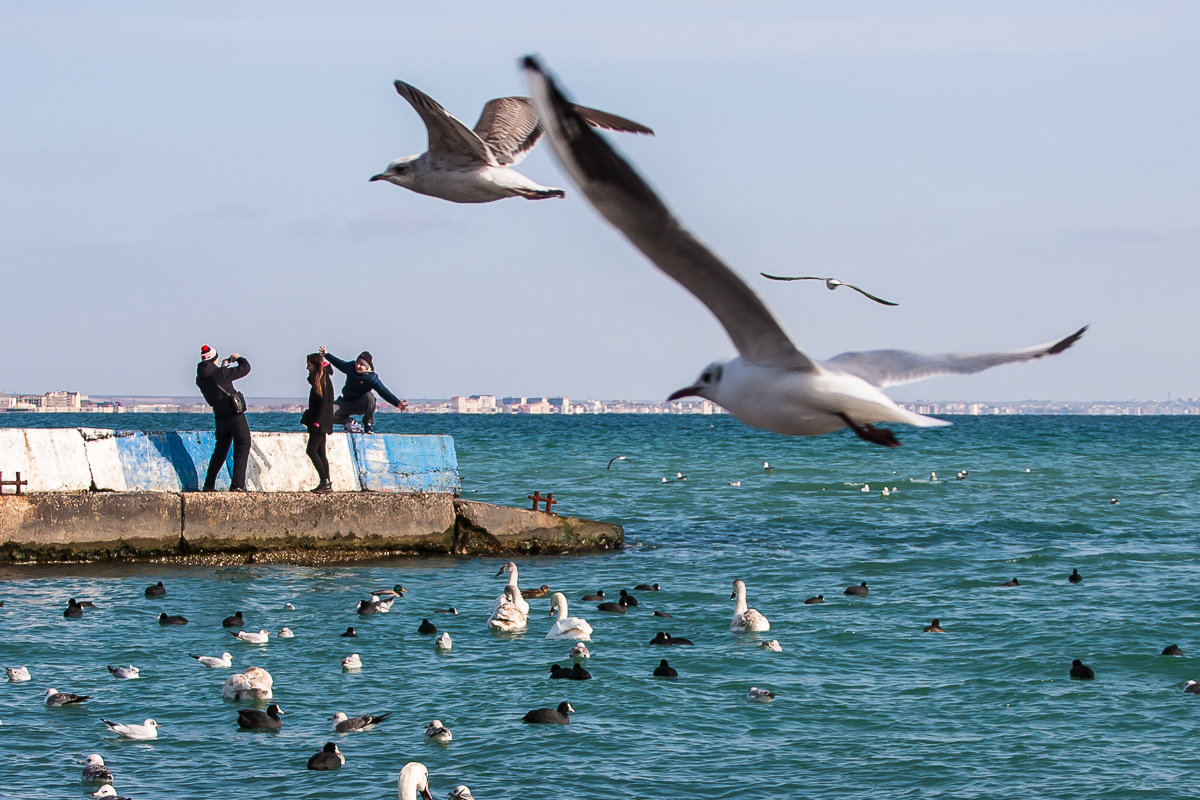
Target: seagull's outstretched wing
column 885, row 368
column 450, row 141
column 510, row 126
column 832, row 283
column 629, row 204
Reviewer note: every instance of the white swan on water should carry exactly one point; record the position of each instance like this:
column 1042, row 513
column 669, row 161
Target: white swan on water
column 566, row 627
column 746, row 619
column 511, row 568
column 508, row 616
column 413, row 778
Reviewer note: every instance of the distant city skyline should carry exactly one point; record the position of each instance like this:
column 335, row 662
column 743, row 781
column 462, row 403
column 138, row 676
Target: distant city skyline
column 67, row 402
column 178, row 175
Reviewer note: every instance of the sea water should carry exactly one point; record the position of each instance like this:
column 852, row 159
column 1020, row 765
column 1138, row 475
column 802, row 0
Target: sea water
column 866, row 703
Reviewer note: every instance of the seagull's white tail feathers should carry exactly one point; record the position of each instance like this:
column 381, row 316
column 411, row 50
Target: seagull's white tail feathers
column 922, row 421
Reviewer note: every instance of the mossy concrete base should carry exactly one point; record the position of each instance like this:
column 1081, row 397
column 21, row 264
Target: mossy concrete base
column 485, row 528
column 299, row 527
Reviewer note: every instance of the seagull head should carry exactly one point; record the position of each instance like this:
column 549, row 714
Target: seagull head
column 399, row 172
column 705, row 386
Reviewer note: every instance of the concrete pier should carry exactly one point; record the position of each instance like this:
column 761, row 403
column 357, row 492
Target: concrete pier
column 285, row 527
column 109, row 495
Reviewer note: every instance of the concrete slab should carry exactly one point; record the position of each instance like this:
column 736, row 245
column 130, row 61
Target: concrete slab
column 69, row 526
column 345, row 520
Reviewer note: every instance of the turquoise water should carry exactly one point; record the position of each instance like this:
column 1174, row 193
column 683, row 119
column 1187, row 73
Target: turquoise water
column 866, row 703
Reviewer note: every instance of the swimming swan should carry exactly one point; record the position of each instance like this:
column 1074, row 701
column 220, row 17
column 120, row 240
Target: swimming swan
column 746, row 619
column 413, row 778
column 508, row 616
column 511, row 568
column 566, row 627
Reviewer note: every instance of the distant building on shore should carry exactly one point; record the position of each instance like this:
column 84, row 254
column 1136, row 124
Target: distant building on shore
column 62, row 402
column 78, row 403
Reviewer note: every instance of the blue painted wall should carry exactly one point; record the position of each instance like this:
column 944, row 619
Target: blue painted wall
column 382, row 462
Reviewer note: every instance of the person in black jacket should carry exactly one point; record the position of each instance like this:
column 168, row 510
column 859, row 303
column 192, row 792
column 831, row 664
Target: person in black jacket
column 358, row 394
column 318, row 417
column 216, row 384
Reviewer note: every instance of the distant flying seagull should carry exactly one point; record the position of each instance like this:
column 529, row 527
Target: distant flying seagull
column 772, row 384
column 831, row 283
column 615, row 459
column 465, row 165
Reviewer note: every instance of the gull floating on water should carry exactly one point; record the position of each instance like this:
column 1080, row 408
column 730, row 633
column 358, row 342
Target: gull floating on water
column 147, row 730
column 465, row 165
column 460, row 792
column 124, row 673
column 352, row 662
column 443, row 643
column 364, row 722
column 94, row 770
column 225, row 660
column 55, row 698
column 107, row 792
column 772, row 644
column 437, row 732
column 757, row 695
column 250, row 637
column 17, row 674
column 831, row 284
column 771, row 384
column 286, row 633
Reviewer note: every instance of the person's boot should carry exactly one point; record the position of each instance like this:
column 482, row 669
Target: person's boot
column 324, row 487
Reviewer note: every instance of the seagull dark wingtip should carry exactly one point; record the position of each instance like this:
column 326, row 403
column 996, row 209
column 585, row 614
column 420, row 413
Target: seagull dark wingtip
column 1066, row 342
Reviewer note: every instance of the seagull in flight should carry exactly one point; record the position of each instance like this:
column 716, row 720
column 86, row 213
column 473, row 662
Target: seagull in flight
column 831, row 284
column 475, row 165
column 771, row 384
column 615, row 459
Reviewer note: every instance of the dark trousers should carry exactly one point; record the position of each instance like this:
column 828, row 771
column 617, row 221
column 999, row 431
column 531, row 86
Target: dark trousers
column 235, row 431
column 316, row 453
column 365, row 405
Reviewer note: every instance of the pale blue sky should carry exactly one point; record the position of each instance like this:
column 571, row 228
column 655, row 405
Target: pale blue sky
column 176, row 174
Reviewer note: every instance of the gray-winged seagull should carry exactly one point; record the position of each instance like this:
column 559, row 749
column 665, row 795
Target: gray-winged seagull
column 475, row 165
column 771, row 384
column 831, row 284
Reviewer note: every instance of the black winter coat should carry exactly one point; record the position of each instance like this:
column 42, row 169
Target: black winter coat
column 320, row 409
column 212, row 379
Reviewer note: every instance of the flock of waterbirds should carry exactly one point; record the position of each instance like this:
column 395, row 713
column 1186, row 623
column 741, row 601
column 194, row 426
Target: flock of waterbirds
column 255, row 685
column 510, row 613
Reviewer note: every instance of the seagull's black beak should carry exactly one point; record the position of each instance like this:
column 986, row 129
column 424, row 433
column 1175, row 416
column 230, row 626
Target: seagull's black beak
column 374, row 178
column 690, row 391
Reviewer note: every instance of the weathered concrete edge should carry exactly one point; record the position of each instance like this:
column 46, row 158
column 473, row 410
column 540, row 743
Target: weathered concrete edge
column 279, row 527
